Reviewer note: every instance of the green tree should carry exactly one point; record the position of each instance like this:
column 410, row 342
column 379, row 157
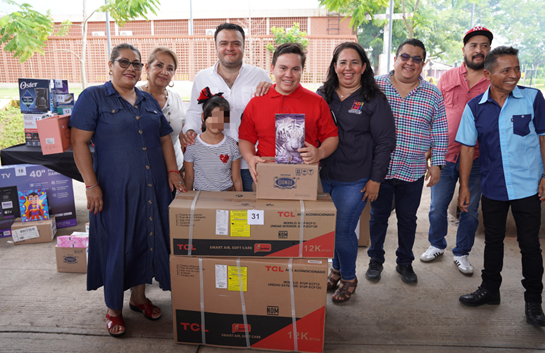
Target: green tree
column 121, row 11
column 25, row 31
column 292, row 35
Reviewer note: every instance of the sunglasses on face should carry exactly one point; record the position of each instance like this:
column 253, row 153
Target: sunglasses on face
column 406, row 57
column 125, row 63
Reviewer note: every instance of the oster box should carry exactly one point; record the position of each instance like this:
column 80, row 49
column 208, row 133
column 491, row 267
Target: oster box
column 284, row 302
column 39, row 95
column 60, row 193
column 236, row 224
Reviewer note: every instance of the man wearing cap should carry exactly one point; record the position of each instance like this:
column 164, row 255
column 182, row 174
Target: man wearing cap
column 458, row 86
column 508, row 121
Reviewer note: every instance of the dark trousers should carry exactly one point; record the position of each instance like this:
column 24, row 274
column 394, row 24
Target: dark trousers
column 527, row 215
column 407, row 199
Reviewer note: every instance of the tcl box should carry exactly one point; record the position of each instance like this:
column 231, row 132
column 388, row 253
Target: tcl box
column 236, row 224
column 33, row 232
column 60, row 193
column 362, row 229
column 274, row 304
column 287, row 181
column 54, row 134
column 71, row 259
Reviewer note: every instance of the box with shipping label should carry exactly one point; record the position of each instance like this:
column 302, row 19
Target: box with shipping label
column 236, row 224
column 287, row 181
column 284, row 304
column 54, row 134
column 33, row 232
column 9, row 203
column 60, row 193
column 71, row 259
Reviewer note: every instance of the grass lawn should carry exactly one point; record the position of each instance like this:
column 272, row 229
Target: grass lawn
column 12, row 131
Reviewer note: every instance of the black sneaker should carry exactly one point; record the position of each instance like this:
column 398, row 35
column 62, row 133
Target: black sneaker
column 407, row 273
column 374, row 270
column 534, row 314
column 480, row 297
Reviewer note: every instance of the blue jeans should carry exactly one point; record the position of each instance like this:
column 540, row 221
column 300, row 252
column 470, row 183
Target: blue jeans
column 441, row 196
column 407, row 200
column 347, row 197
column 247, row 180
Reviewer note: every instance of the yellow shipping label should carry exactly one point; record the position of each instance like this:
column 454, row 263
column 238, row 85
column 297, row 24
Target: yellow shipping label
column 239, row 224
column 233, row 278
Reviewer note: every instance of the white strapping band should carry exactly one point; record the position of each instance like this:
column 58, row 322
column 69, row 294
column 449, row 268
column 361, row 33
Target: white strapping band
column 301, row 228
column 203, row 327
column 243, row 303
column 293, row 316
column 190, row 240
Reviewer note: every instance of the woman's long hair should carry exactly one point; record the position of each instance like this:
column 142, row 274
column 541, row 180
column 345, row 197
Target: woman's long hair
column 369, row 86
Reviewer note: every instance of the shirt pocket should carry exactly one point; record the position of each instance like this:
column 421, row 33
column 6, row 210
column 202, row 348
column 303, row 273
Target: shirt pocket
column 521, row 124
column 450, row 95
column 112, row 115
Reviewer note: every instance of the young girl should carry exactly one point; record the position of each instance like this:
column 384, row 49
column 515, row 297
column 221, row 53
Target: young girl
column 213, row 162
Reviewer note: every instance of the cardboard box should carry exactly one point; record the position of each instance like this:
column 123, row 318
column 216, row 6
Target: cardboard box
column 64, row 99
column 65, row 110
column 9, row 203
column 236, row 224
column 287, row 181
column 54, row 134
column 362, row 229
column 31, row 130
column 60, row 193
column 266, row 285
column 33, row 232
column 75, row 240
column 71, row 259
column 36, row 95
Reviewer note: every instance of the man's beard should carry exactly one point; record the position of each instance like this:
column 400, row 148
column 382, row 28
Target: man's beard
column 472, row 65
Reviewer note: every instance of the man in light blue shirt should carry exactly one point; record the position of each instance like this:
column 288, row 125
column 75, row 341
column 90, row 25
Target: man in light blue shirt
column 508, row 121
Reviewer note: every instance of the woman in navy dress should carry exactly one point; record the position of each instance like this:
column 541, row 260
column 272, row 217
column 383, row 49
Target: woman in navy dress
column 128, row 181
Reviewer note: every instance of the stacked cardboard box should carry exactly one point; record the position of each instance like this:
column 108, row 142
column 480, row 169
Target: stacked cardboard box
column 40, row 99
column 72, row 252
column 245, row 273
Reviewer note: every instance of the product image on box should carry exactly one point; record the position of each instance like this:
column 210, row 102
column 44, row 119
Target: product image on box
column 75, row 240
column 9, row 203
column 33, row 205
column 273, row 304
column 290, row 137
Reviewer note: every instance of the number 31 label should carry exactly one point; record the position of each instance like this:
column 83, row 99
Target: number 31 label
column 256, row 217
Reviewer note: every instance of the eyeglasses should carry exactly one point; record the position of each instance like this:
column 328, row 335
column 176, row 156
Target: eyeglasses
column 125, row 63
column 406, row 57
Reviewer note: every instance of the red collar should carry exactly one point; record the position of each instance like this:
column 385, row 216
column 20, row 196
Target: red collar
column 298, row 93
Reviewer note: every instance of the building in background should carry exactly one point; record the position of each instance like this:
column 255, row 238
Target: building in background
column 196, row 52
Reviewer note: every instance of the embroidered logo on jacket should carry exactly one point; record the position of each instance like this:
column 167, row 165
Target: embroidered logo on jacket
column 356, row 108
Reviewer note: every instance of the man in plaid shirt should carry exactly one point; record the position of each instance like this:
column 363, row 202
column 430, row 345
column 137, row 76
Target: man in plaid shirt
column 421, row 124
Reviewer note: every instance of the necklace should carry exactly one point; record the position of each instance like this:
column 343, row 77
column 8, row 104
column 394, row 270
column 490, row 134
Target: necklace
column 349, row 93
column 166, row 109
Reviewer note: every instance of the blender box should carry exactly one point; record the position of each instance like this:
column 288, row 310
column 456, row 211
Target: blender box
column 230, row 223
column 60, row 192
column 32, row 137
column 38, row 95
column 272, row 304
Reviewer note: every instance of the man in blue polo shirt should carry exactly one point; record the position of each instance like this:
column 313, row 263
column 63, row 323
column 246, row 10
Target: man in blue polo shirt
column 508, row 121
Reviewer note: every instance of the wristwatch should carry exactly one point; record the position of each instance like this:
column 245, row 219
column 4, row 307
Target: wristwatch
column 441, row 167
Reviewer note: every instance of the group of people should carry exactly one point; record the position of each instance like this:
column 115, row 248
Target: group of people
column 378, row 139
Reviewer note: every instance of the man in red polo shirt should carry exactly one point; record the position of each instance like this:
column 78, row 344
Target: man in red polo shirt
column 287, row 97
